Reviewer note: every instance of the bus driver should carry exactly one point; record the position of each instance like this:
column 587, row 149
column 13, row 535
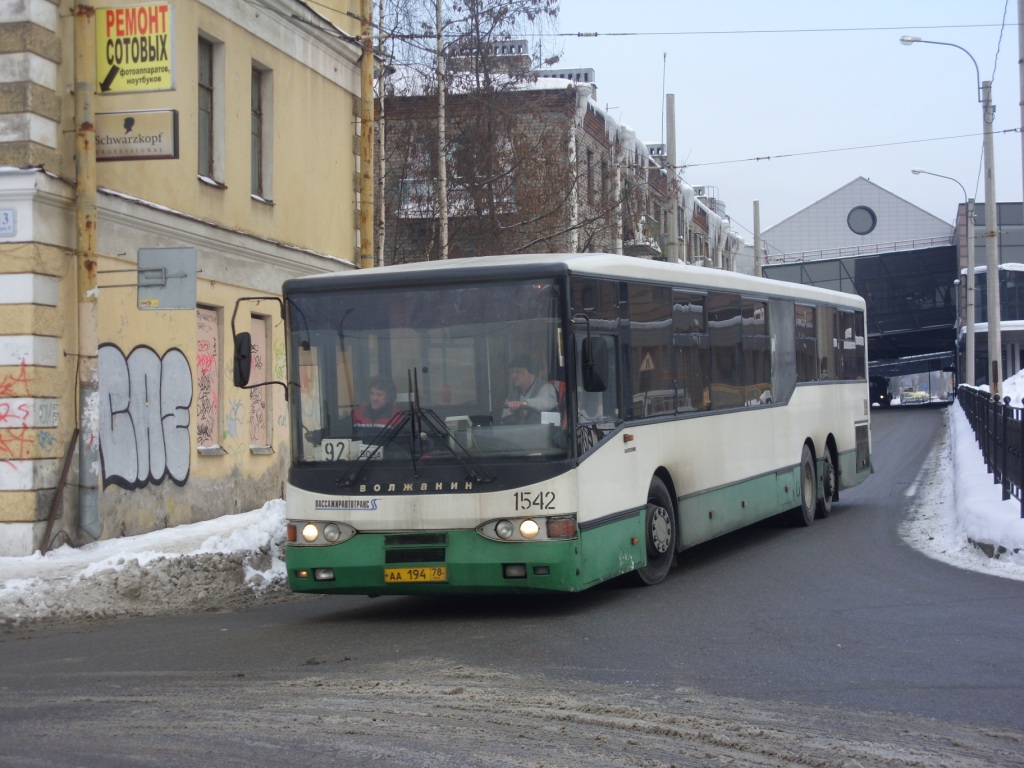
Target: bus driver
column 380, row 409
column 528, row 390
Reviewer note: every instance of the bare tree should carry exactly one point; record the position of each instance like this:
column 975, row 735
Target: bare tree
column 532, row 165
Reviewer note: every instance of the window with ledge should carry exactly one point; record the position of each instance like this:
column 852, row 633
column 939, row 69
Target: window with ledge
column 211, row 112
column 261, row 134
column 590, row 176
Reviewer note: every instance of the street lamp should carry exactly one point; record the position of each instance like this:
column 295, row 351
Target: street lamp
column 969, row 207
column 995, row 341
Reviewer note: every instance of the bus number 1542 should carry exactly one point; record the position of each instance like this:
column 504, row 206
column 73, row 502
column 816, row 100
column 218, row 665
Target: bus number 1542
column 541, row 500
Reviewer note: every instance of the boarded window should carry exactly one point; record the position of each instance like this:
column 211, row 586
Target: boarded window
column 208, row 377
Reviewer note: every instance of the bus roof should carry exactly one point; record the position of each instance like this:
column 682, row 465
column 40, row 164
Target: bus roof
column 606, row 265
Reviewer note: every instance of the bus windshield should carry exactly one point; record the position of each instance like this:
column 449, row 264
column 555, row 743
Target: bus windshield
column 435, row 373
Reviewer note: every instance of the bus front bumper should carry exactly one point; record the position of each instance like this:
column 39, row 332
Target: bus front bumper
column 465, row 563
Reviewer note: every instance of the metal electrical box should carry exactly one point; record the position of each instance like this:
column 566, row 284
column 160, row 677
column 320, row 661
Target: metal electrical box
column 167, row 278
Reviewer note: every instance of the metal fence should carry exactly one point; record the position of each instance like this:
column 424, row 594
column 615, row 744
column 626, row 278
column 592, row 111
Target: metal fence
column 999, row 429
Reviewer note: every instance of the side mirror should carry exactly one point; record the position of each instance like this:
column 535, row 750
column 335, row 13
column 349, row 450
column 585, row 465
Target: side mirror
column 594, row 360
column 243, row 359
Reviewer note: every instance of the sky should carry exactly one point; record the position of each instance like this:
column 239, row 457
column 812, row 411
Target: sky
column 237, row 561
column 798, row 81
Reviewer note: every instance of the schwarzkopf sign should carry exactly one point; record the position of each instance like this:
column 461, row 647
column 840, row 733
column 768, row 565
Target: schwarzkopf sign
column 143, row 135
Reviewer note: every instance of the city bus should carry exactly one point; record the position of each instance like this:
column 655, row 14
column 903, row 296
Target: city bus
column 676, row 404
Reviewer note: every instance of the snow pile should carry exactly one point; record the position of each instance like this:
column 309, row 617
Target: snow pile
column 213, row 565
column 982, row 515
column 960, row 517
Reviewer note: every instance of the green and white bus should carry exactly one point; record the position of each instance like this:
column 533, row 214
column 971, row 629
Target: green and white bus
column 682, row 403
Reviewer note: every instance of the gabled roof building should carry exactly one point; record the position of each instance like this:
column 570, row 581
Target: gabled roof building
column 858, row 218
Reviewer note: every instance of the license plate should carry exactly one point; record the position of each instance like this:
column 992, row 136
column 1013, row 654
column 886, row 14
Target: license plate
column 404, row 575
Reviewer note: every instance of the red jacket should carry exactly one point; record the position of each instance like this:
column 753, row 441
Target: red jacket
column 363, row 416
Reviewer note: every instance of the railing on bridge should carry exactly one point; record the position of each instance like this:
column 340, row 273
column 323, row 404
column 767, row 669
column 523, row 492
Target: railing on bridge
column 858, row 250
column 999, row 429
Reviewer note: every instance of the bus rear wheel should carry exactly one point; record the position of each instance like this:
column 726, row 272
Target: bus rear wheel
column 828, row 485
column 659, row 536
column 808, row 489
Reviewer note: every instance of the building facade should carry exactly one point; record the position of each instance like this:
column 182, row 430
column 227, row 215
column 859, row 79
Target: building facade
column 1010, row 222
column 157, row 164
column 538, row 168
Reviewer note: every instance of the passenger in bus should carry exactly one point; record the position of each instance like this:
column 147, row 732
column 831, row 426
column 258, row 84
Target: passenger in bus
column 529, row 394
column 379, row 410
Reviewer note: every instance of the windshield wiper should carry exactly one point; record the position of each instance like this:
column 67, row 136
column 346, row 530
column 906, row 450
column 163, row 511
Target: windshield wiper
column 420, row 420
column 383, row 438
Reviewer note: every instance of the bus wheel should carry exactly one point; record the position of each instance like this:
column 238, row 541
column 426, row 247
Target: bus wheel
column 659, row 535
column 828, row 485
column 808, row 488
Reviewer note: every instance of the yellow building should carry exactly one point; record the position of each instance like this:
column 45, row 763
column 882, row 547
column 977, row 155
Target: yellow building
column 157, row 163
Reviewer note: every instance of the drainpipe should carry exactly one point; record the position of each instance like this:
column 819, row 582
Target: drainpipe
column 366, row 126
column 85, row 258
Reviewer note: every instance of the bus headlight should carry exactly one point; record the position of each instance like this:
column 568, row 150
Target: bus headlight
column 320, row 534
column 559, row 528
column 529, row 528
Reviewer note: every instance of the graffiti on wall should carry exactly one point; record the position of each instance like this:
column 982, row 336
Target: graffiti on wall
column 17, row 384
column 144, row 416
column 14, row 440
column 258, row 405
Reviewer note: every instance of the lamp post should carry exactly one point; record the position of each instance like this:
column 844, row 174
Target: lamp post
column 995, row 340
column 969, row 208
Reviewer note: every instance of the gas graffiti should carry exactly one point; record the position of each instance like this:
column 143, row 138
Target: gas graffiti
column 144, row 416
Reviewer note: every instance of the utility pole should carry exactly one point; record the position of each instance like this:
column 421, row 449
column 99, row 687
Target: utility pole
column 1020, row 71
column 969, row 352
column 672, row 249
column 442, row 150
column 757, row 238
column 366, row 99
column 995, row 339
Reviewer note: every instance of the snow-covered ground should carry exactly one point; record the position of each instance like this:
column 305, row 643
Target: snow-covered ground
column 238, row 559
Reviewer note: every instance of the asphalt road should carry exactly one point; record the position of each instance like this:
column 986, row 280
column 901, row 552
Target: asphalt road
column 841, row 618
